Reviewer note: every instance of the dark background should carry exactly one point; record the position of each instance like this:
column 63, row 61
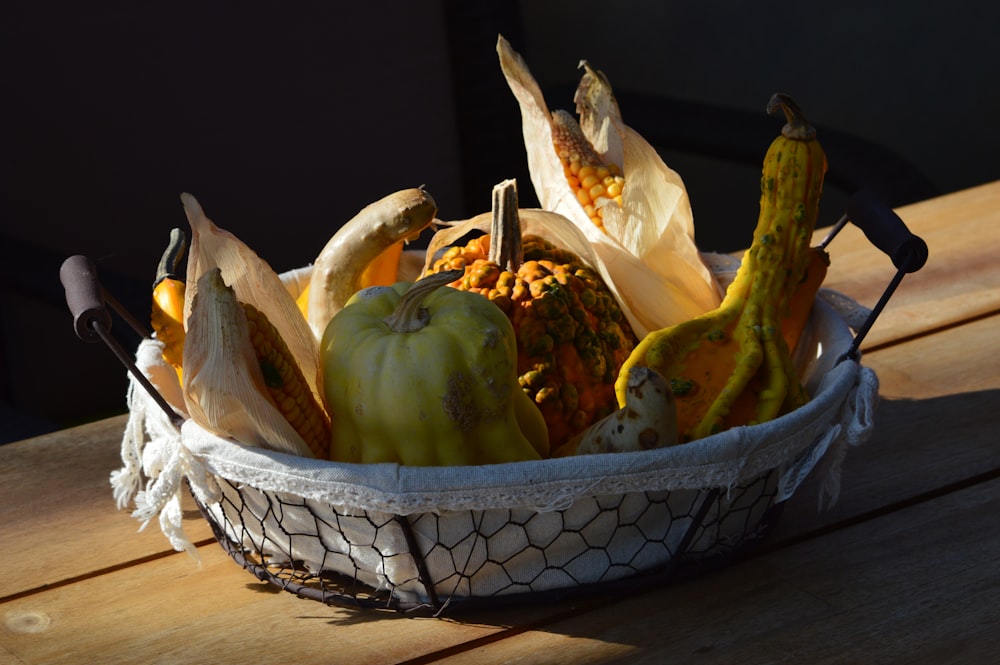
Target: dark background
column 285, row 119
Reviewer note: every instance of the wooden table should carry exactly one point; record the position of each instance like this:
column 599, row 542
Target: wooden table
column 905, row 568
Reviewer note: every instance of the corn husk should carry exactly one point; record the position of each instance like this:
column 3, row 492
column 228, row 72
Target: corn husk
column 253, row 281
column 224, row 389
column 654, row 224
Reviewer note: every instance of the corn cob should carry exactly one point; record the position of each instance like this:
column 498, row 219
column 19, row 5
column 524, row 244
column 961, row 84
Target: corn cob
column 595, row 183
column 286, row 384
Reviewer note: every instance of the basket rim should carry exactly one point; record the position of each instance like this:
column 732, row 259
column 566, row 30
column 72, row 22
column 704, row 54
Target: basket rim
column 727, row 457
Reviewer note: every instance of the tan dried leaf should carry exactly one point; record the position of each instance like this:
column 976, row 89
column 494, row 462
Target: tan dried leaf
column 253, row 281
column 654, row 225
column 224, row 388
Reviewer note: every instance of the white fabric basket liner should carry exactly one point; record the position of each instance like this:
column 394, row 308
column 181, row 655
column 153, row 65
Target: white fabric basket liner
column 507, row 528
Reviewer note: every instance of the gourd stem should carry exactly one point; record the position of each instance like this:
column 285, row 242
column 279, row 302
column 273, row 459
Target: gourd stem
column 170, row 262
column 505, row 229
column 410, row 314
column 796, row 125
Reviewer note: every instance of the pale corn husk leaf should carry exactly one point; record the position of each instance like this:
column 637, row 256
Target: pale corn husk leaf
column 665, row 242
column 639, row 292
column 224, row 389
column 600, row 118
column 254, row 282
column 655, row 225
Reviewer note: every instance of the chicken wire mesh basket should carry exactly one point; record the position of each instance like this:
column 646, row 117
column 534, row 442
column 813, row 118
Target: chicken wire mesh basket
column 375, row 559
column 434, row 538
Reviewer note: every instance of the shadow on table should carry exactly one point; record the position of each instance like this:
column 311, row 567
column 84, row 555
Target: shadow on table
column 919, row 449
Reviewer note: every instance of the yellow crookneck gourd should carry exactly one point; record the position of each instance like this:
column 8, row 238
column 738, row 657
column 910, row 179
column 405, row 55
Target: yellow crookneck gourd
column 426, row 376
column 733, row 366
column 364, row 252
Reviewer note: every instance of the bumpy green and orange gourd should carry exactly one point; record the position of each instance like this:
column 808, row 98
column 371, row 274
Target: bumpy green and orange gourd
column 571, row 333
column 733, row 366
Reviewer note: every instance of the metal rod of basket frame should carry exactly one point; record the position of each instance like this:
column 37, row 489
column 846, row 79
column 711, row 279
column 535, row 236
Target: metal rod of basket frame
column 86, row 299
column 423, row 573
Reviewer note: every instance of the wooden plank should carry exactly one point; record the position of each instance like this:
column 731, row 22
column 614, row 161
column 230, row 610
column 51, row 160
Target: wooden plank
column 57, row 510
column 954, row 362
column 173, row 611
column 918, row 586
column 936, row 425
column 960, row 281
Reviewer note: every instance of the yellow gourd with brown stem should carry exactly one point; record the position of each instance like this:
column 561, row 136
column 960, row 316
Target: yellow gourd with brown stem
column 732, row 366
column 364, row 252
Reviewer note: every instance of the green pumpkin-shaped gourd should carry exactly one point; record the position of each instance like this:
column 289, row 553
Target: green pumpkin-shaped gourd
column 426, row 376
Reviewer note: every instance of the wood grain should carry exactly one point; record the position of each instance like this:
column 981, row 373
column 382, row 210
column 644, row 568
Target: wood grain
column 173, row 611
column 960, row 281
column 57, row 514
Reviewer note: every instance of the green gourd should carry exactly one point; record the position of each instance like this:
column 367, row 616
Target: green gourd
column 423, row 375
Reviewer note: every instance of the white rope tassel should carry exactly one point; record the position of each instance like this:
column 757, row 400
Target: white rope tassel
column 857, row 420
column 146, row 419
column 167, row 462
column 126, row 481
column 172, row 526
column 797, row 472
column 153, row 450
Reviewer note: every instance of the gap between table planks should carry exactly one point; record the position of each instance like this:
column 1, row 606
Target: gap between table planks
column 58, row 511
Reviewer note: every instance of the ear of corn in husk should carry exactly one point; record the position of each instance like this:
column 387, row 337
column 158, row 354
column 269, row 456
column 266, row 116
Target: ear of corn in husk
column 253, row 281
column 228, row 379
column 653, row 221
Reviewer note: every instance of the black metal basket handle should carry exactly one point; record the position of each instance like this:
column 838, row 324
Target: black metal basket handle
column 887, row 231
column 87, row 301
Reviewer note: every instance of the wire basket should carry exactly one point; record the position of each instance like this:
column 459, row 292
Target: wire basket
column 428, row 539
column 636, row 538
